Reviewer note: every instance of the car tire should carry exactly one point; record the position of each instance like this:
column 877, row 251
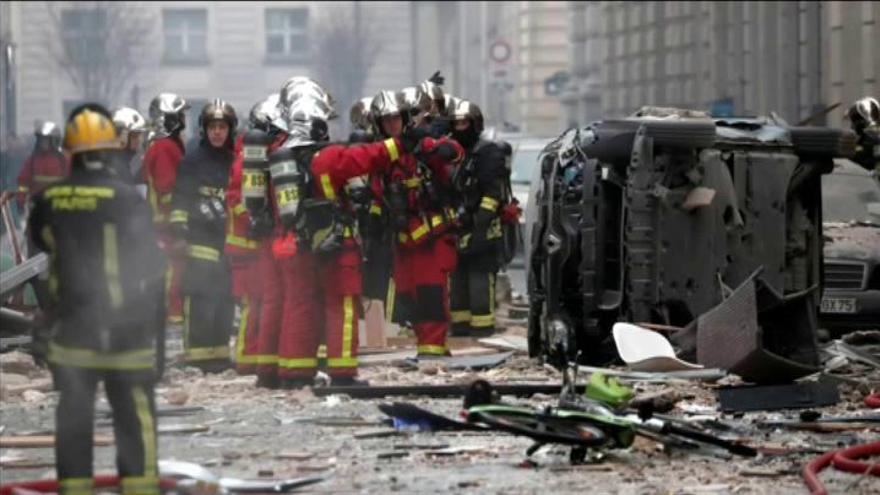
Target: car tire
column 821, row 142
column 681, row 134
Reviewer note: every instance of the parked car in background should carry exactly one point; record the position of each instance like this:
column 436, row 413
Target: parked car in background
column 851, row 221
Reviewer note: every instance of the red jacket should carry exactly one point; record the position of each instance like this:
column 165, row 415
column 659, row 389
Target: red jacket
column 161, row 163
column 41, row 169
column 332, row 167
column 432, row 221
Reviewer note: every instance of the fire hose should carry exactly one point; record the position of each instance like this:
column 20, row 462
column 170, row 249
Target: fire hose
column 842, row 460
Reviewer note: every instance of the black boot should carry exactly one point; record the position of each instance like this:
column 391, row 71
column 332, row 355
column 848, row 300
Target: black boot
column 268, row 381
column 295, row 383
column 348, row 381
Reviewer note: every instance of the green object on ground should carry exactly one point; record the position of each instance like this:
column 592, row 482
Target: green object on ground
column 608, row 390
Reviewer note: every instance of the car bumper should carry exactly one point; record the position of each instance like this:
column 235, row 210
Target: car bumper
column 865, row 317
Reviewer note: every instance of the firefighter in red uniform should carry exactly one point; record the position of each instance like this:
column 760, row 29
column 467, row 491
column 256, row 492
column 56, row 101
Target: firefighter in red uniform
column 419, row 198
column 243, row 243
column 320, row 253
column 161, row 163
column 46, row 165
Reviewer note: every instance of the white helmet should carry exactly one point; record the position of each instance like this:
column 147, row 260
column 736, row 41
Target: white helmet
column 128, row 120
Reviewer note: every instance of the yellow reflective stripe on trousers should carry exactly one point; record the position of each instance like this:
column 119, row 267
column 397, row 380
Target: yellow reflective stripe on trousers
column 111, row 265
column 482, row 321
column 298, row 363
column 347, row 328
column 140, row 485
column 389, row 300
column 327, row 187
column 489, row 203
column 375, row 209
column 206, row 353
column 77, row 486
column 148, row 430
column 349, row 362
column 460, row 316
column 203, row 253
column 242, row 330
column 393, row 152
column 434, row 350
column 262, row 359
column 239, row 209
column 412, row 182
column 87, row 358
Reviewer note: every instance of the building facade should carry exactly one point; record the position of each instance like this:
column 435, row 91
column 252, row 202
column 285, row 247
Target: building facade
column 745, row 58
column 238, row 51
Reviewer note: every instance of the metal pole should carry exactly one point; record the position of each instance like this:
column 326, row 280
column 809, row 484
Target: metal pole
column 484, row 80
column 462, row 48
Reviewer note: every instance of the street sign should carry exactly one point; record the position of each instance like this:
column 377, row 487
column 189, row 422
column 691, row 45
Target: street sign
column 500, row 52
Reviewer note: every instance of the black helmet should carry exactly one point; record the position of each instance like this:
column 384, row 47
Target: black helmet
column 218, row 110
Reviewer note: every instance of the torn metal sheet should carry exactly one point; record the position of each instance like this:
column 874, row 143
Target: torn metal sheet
column 729, row 337
column 16, row 277
column 466, row 362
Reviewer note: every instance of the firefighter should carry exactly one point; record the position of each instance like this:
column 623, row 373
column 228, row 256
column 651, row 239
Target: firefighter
column 319, row 252
column 361, row 131
column 480, row 181
column 244, row 244
column 107, row 310
column 131, row 127
column 265, row 222
column 864, row 117
column 419, row 200
column 161, row 162
column 198, row 222
column 46, row 164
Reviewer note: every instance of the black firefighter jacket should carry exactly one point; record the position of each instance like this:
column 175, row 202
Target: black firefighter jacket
column 198, row 216
column 483, row 191
column 106, row 272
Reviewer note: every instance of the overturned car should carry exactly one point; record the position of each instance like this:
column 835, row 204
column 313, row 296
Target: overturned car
column 656, row 217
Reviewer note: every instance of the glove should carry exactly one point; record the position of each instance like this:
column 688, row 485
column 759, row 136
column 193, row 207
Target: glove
column 437, row 79
column 443, row 149
column 412, row 138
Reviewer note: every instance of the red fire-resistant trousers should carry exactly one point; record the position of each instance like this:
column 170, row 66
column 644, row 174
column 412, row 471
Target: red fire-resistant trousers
column 247, row 291
column 321, row 305
column 421, row 279
column 272, row 292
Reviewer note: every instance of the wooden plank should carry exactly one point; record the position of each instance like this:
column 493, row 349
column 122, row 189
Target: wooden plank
column 43, row 441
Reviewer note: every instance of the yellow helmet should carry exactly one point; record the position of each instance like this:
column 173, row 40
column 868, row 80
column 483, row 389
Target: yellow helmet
column 90, row 128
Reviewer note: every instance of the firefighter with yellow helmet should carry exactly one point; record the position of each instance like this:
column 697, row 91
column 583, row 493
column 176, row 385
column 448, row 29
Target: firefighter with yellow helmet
column 106, row 312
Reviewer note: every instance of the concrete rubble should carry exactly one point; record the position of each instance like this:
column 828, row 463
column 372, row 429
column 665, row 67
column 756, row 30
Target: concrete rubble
column 245, row 432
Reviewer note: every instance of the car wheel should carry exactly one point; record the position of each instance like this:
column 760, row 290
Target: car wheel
column 820, row 142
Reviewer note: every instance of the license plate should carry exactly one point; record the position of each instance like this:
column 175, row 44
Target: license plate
column 838, row 305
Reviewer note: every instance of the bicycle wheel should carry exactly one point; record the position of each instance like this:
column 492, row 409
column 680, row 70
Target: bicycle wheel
column 540, row 426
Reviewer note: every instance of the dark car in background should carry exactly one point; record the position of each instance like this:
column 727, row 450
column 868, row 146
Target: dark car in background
column 851, row 217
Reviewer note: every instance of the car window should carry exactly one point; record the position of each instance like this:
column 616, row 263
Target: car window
column 524, row 161
column 845, row 198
